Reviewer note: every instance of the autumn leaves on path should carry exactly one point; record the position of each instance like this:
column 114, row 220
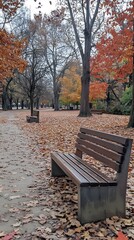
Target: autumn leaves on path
column 35, row 206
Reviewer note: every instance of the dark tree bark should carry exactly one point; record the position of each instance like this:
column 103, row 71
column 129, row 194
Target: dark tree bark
column 131, row 119
column 37, row 102
column 4, row 99
column 22, row 104
column 17, row 103
column 31, row 103
column 10, row 102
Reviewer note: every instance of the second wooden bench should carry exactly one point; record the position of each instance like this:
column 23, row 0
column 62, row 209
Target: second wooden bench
column 99, row 195
column 34, row 117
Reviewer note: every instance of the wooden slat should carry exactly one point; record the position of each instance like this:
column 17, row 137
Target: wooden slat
column 110, row 145
column 114, row 165
column 69, row 170
column 74, row 167
column 97, row 175
column 90, row 176
column 103, row 151
column 110, row 137
column 79, row 169
column 94, row 170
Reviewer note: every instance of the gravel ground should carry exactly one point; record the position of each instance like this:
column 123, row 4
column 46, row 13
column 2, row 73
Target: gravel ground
column 19, row 168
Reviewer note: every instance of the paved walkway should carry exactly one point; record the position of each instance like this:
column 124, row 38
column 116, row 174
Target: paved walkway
column 20, row 180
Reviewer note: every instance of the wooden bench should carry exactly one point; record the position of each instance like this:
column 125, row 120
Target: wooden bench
column 99, row 195
column 34, row 117
column 95, row 111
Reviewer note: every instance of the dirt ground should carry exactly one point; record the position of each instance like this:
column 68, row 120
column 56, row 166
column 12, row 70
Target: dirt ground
column 35, row 206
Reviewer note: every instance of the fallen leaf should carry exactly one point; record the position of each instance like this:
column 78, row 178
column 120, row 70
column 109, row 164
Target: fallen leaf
column 75, row 223
column 121, row 236
column 9, row 236
column 17, row 224
column 70, row 232
column 2, row 234
column 48, row 230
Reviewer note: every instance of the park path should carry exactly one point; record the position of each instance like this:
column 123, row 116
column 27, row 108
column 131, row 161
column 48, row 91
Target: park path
column 20, row 182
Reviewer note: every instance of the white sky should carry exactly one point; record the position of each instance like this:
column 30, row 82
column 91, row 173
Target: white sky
column 46, row 6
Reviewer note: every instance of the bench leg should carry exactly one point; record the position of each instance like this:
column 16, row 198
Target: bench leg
column 97, row 203
column 56, row 171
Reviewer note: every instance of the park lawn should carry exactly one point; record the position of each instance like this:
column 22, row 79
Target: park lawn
column 58, row 131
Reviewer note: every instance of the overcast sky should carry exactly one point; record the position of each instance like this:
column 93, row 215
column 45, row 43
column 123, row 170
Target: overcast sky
column 46, row 6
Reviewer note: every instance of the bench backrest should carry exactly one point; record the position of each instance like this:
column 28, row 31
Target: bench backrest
column 35, row 113
column 110, row 149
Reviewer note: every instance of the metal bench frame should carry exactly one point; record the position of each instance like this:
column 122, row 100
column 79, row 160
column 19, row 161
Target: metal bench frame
column 99, row 197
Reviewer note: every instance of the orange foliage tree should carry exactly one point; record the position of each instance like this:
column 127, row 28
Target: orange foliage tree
column 115, row 48
column 115, row 51
column 98, row 90
column 10, row 55
column 70, row 86
column 10, row 48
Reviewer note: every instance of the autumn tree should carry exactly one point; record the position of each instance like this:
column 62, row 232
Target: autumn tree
column 10, row 48
column 70, row 85
column 11, row 55
column 86, row 17
column 114, row 59
column 97, row 90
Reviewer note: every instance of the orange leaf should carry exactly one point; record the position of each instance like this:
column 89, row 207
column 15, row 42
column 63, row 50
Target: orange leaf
column 9, row 236
column 121, row 236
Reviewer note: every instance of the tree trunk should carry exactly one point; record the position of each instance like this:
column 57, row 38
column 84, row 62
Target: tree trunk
column 85, row 79
column 22, row 104
column 4, row 100
column 10, row 103
column 56, row 101
column 31, row 104
column 108, row 100
column 131, row 119
column 84, row 105
column 37, row 103
column 17, row 106
column 56, row 93
column 86, row 54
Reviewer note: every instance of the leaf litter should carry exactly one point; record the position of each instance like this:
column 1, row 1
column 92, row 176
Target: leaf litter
column 57, row 198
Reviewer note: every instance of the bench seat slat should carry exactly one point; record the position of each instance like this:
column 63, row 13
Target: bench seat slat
column 101, row 142
column 86, row 176
column 97, row 175
column 80, row 167
column 69, row 170
column 94, row 170
column 111, row 137
column 114, row 165
column 106, row 152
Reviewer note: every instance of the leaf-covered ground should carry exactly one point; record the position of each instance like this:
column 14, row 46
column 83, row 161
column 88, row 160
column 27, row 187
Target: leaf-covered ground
column 49, row 209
